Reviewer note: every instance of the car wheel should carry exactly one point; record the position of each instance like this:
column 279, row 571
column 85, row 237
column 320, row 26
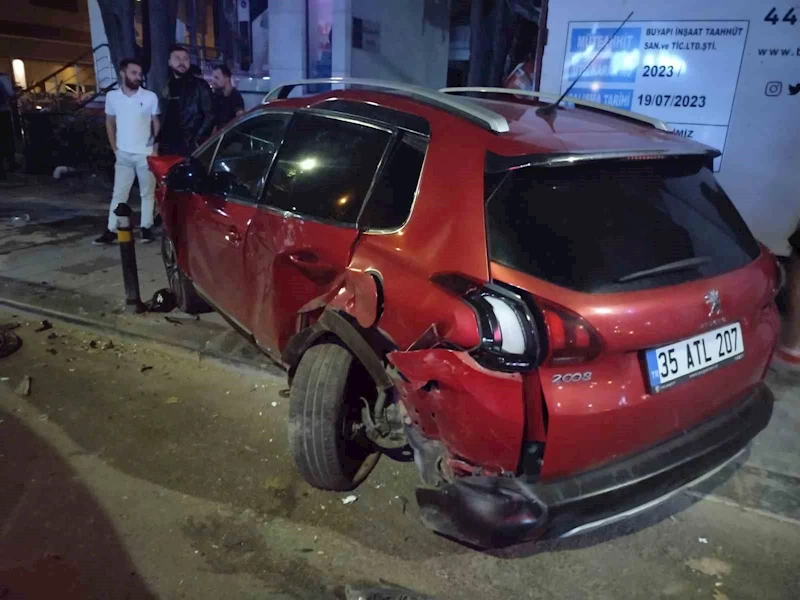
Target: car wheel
column 186, row 297
column 326, row 435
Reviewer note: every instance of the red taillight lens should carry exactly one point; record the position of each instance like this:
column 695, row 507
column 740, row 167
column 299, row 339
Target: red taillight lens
column 507, row 327
column 571, row 339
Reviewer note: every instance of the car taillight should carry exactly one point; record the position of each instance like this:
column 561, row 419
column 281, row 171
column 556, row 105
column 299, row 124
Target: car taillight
column 510, row 339
column 571, row 339
column 519, row 331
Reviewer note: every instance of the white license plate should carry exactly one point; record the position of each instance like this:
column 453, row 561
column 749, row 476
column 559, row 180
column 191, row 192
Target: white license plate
column 693, row 357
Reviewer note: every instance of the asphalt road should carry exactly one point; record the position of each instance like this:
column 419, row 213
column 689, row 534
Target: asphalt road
column 133, row 472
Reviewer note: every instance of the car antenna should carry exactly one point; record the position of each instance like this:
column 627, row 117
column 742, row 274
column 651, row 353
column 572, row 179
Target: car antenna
column 545, row 110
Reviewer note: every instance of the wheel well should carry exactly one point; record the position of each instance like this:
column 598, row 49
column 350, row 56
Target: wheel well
column 368, row 346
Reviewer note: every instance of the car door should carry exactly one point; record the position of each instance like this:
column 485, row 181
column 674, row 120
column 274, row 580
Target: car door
column 303, row 234
column 229, row 197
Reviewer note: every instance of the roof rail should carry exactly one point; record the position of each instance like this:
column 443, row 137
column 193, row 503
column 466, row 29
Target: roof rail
column 656, row 123
column 460, row 107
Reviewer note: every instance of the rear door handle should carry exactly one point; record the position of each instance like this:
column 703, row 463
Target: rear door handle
column 307, row 259
column 310, row 264
column 233, row 237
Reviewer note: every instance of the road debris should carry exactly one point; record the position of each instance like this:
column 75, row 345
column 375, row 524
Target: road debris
column 283, row 393
column 350, row 499
column 274, row 404
column 173, row 320
column 172, row 400
column 24, row 387
column 9, row 343
column 20, row 220
column 52, row 351
column 389, row 592
column 52, row 335
column 403, row 502
column 5, row 378
column 709, row 565
column 702, row 540
column 144, row 368
column 44, row 327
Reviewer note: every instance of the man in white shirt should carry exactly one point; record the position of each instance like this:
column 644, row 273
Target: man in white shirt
column 132, row 126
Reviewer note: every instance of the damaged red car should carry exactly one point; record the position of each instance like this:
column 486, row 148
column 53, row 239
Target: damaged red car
column 557, row 307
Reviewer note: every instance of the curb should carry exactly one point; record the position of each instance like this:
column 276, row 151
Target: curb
column 199, row 339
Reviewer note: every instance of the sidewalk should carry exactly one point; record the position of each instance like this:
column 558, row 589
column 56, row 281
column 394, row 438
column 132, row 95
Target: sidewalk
column 48, row 266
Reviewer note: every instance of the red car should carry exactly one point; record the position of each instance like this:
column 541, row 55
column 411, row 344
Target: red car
column 557, row 308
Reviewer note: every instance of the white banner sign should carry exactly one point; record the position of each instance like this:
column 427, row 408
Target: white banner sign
column 682, row 72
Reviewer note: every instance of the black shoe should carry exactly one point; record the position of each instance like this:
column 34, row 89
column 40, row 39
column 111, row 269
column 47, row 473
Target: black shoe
column 157, row 221
column 147, row 235
column 108, row 238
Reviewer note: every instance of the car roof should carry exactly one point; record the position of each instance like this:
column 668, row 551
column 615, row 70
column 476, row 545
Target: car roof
column 571, row 128
column 567, row 129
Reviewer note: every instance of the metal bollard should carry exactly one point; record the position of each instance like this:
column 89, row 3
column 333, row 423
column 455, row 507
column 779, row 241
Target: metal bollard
column 127, row 252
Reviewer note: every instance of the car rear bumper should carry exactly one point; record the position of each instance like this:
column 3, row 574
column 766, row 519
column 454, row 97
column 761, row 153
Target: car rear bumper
column 500, row 511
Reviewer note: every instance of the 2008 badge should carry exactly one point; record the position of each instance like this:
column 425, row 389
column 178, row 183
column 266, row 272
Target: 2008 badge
column 572, row 377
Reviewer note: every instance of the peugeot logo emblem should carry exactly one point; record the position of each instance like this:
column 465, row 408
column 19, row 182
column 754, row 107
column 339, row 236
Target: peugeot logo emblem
column 714, row 303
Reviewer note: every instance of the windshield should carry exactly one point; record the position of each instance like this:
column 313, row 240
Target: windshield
column 608, row 226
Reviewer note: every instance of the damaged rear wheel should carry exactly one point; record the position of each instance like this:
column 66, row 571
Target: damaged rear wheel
column 326, row 435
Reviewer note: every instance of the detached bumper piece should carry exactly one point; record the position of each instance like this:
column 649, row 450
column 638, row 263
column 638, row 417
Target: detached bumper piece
column 490, row 512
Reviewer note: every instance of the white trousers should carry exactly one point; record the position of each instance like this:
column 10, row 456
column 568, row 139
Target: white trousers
column 127, row 168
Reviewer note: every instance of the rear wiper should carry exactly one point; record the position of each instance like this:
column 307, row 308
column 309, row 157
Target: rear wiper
column 678, row 265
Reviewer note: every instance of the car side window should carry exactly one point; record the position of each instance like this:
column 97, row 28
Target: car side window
column 325, row 167
column 389, row 205
column 244, row 156
column 205, row 157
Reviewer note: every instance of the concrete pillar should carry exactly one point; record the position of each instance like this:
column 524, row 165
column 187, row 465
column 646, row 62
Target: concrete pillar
column 105, row 72
column 342, row 34
column 288, row 41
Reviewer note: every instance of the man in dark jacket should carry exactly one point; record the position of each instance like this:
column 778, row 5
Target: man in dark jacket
column 186, row 109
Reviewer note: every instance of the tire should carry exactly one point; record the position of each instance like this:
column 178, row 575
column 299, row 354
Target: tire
column 186, row 297
column 325, row 403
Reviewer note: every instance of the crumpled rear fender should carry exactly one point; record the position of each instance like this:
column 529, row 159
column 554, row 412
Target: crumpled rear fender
column 354, row 293
column 478, row 414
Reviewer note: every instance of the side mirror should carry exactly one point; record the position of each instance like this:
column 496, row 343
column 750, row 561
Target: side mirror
column 185, row 175
column 160, row 165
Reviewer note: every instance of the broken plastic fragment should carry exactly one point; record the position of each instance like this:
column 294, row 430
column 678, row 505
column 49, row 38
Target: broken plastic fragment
column 350, row 499
column 388, row 592
column 24, row 387
column 702, row 540
column 45, row 326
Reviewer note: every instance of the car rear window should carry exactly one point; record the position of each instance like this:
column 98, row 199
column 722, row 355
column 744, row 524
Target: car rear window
column 601, row 226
